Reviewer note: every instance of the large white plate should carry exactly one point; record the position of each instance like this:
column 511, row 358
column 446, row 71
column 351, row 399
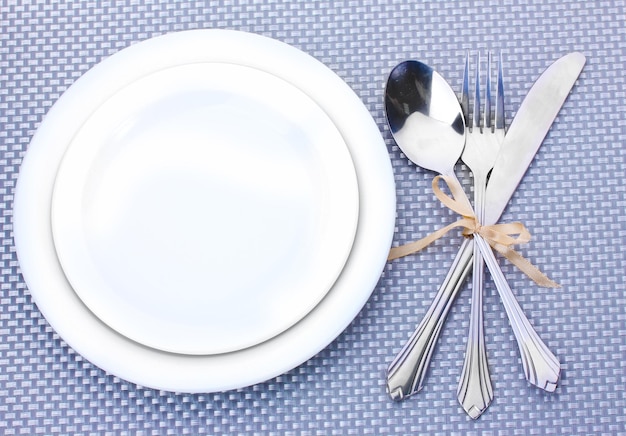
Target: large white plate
column 205, row 208
column 121, row 356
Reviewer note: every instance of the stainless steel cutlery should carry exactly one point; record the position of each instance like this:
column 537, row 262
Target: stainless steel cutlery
column 486, row 146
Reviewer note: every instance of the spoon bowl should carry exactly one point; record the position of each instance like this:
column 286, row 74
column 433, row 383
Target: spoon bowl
column 425, row 117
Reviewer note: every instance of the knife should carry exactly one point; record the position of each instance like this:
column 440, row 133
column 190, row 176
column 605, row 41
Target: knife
column 528, row 130
column 406, row 373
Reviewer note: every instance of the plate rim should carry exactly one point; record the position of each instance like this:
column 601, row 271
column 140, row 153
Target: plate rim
column 205, row 374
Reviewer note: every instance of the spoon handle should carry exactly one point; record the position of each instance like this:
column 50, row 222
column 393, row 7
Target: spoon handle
column 405, row 374
column 541, row 367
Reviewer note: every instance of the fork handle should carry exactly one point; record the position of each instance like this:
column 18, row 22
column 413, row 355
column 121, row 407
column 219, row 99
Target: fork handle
column 475, row 391
column 405, row 374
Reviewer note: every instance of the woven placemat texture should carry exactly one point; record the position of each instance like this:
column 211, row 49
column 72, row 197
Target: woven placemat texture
column 572, row 199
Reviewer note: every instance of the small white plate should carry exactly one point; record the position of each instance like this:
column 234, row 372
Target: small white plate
column 205, row 208
column 125, row 358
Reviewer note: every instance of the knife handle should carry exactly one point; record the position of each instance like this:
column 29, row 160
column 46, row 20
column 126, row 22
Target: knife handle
column 405, row 374
column 541, row 367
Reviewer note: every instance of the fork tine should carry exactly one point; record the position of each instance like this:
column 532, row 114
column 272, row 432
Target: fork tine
column 499, row 121
column 476, row 106
column 487, row 115
column 465, row 91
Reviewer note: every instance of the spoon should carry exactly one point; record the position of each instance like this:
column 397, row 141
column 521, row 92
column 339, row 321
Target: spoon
column 427, row 123
column 425, row 117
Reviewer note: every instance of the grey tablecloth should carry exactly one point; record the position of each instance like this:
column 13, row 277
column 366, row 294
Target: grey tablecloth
column 572, row 199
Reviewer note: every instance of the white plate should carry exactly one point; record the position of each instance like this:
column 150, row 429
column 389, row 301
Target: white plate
column 121, row 356
column 205, row 208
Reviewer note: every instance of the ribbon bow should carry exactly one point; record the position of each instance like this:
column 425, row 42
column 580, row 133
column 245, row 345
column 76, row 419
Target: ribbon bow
column 499, row 236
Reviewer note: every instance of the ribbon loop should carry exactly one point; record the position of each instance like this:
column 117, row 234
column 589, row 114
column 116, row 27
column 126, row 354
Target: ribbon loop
column 499, row 236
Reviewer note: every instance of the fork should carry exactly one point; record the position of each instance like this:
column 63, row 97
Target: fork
column 541, row 367
column 482, row 144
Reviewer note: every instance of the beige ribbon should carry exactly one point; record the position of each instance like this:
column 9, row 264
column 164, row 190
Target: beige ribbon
column 499, row 236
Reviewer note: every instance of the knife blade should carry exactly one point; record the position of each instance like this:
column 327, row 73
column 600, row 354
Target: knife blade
column 531, row 124
column 528, row 130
